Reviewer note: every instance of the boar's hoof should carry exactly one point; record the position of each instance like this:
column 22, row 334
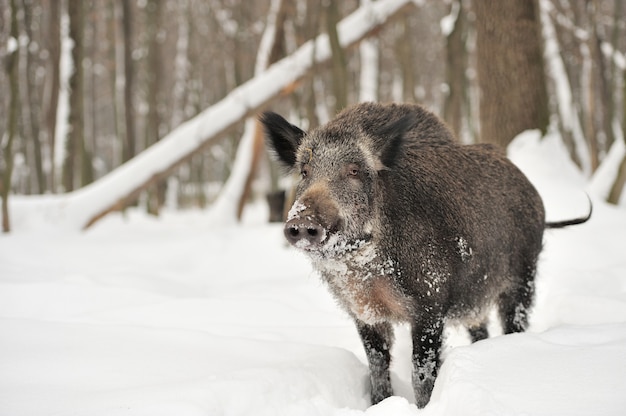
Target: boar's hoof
column 304, row 234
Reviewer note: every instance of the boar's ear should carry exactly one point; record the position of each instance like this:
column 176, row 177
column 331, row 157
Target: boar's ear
column 390, row 137
column 282, row 137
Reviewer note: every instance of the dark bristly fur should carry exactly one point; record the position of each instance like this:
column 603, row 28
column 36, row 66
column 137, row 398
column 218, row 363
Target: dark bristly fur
column 406, row 225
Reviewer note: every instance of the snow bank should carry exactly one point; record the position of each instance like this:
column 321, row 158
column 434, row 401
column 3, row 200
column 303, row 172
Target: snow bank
column 157, row 317
column 564, row 371
column 98, row 369
column 546, row 163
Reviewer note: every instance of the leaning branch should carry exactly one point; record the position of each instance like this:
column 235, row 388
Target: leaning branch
column 122, row 186
column 82, row 208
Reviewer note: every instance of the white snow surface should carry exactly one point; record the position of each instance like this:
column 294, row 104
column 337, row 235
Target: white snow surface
column 180, row 316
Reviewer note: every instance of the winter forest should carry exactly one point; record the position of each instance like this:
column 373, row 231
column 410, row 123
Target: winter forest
column 146, row 67
column 139, row 273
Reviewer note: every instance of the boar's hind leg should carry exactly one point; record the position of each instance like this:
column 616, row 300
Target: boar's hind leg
column 514, row 305
column 377, row 341
column 478, row 332
column 427, row 340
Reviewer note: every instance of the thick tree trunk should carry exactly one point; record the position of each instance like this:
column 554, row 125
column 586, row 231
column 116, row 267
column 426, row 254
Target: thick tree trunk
column 510, row 69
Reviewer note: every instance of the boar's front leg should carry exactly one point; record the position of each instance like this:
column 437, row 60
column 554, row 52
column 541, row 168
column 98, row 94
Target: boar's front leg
column 377, row 340
column 427, row 334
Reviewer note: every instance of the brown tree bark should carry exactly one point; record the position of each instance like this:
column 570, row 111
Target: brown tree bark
column 339, row 62
column 456, row 66
column 31, row 96
column 596, row 124
column 53, row 45
column 620, row 181
column 405, row 55
column 257, row 152
column 12, row 67
column 154, row 75
column 612, row 110
column 510, row 69
column 618, row 186
column 75, row 166
column 129, row 148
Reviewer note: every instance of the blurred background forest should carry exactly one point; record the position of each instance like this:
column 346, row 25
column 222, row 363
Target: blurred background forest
column 88, row 85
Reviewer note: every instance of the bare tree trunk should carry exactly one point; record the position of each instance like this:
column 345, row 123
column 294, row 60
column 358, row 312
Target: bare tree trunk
column 182, row 65
column 565, row 79
column 369, row 71
column 618, row 186
column 113, row 34
column 96, row 29
column 75, row 163
column 154, row 8
column 129, row 146
column 603, row 84
column 257, row 152
column 33, row 108
column 53, row 42
column 620, row 181
column 339, row 62
column 310, row 29
column 510, row 69
column 456, row 66
column 404, row 53
column 612, row 109
column 12, row 67
column 597, row 127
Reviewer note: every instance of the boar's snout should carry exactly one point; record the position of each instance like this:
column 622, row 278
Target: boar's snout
column 313, row 217
column 304, row 233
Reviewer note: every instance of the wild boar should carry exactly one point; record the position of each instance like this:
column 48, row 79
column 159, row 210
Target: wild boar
column 406, row 225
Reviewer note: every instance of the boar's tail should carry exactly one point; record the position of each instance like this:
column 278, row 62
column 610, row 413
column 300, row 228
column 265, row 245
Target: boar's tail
column 574, row 221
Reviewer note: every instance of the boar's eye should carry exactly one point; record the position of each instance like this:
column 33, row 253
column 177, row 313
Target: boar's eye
column 353, row 171
column 304, row 171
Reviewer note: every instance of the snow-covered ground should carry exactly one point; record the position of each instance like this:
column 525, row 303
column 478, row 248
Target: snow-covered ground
column 183, row 316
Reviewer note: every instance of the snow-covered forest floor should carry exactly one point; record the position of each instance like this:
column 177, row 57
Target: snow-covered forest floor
column 180, row 315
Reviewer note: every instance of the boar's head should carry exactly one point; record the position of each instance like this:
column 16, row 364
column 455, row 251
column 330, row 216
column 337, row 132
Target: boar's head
column 340, row 164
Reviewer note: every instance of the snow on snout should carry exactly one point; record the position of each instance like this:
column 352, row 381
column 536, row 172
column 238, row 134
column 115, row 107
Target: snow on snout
column 303, row 231
column 295, row 210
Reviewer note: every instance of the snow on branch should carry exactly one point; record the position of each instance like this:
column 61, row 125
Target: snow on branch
column 83, row 207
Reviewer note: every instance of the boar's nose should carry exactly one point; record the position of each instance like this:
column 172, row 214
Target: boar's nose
column 304, row 233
